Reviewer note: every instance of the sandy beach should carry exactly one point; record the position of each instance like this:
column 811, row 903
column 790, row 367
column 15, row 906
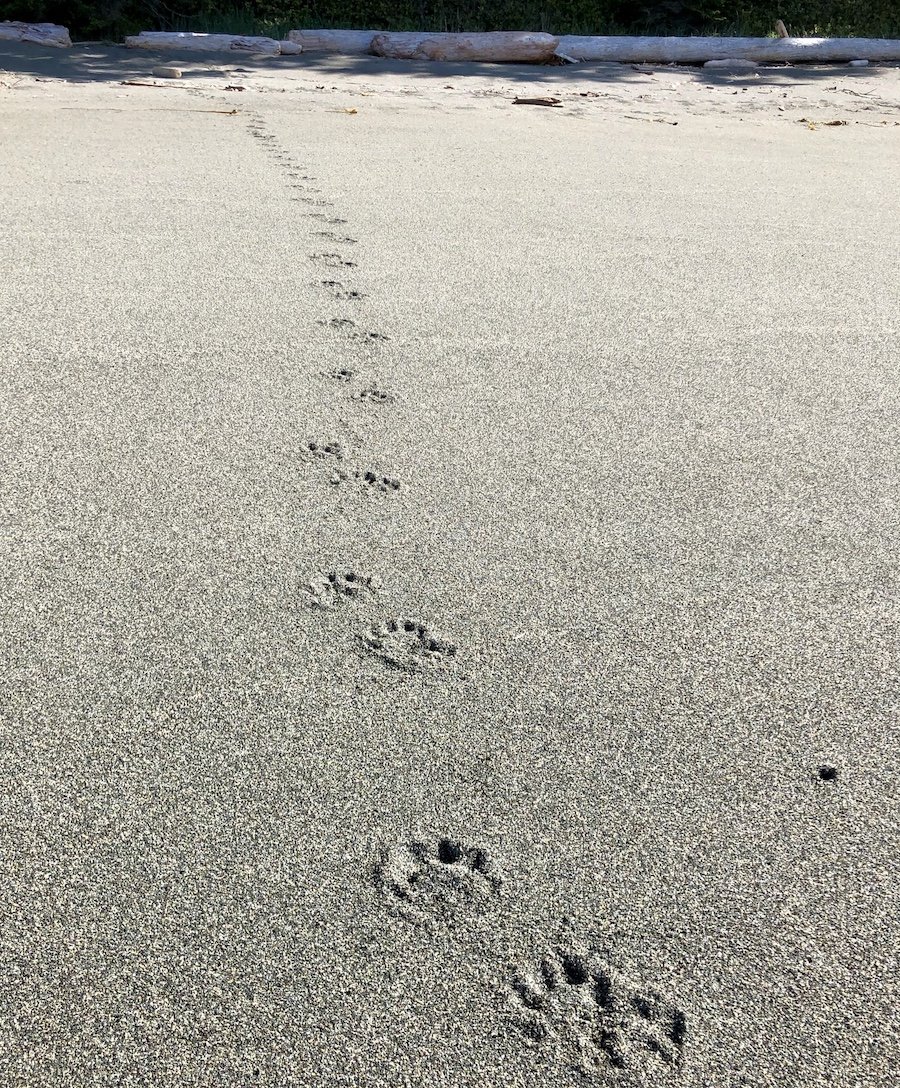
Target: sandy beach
column 449, row 581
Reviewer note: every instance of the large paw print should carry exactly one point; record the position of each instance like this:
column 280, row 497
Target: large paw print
column 437, row 879
column 598, row 1018
column 406, row 644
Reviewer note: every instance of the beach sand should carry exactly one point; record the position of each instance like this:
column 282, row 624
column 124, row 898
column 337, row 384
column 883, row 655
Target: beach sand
column 450, row 575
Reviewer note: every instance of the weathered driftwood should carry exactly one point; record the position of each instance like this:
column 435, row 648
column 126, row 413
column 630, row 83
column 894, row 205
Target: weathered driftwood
column 228, row 43
column 289, row 48
column 627, row 50
column 36, row 34
column 494, row 48
column 333, row 41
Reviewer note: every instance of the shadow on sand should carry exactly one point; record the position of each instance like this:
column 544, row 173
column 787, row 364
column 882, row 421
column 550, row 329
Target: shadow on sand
column 89, row 63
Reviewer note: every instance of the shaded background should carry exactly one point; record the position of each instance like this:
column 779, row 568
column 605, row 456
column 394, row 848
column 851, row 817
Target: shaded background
column 114, row 18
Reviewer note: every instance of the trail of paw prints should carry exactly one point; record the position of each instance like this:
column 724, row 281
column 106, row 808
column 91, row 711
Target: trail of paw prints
column 305, row 193
column 296, row 178
column 437, row 880
column 404, row 643
column 585, row 1013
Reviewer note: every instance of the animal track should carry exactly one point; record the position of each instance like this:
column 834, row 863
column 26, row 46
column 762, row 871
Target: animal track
column 374, row 396
column 438, row 879
column 332, row 260
column 405, row 644
column 379, row 483
column 338, row 291
column 331, row 589
column 340, row 374
column 323, row 450
column 596, row 1018
column 332, row 237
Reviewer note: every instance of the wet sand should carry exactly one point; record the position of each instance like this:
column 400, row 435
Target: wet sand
column 449, row 582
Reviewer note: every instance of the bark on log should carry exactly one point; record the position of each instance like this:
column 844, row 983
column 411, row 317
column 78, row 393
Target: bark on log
column 625, row 50
column 36, row 34
column 333, row 41
column 495, row 48
column 228, row 43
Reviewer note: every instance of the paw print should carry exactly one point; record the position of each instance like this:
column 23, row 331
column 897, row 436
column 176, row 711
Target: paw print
column 437, row 879
column 600, row 1019
column 406, row 644
column 333, row 588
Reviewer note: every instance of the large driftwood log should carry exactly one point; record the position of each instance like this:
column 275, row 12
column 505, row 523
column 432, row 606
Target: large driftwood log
column 36, row 34
column 229, row 43
column 698, row 50
column 495, row 48
column 333, row 41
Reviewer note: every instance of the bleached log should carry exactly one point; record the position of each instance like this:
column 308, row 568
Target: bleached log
column 36, row 34
column 494, row 48
column 626, row 50
column 224, row 43
column 289, row 48
column 333, row 41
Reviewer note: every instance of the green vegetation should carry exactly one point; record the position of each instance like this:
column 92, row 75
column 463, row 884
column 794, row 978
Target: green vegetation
column 114, row 18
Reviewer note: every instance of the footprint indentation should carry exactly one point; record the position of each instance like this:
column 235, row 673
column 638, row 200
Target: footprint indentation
column 340, row 374
column 341, row 239
column 332, row 588
column 378, row 482
column 332, row 260
column 373, row 395
column 323, row 450
column 404, row 643
column 597, row 1018
column 437, row 879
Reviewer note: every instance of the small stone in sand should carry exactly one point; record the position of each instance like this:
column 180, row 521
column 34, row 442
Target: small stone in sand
column 166, row 73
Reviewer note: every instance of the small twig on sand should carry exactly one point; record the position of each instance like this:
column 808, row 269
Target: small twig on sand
column 536, row 102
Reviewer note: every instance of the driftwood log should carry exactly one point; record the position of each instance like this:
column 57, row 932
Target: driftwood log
column 625, row 50
column 333, row 41
column 495, row 48
column 227, row 43
column 36, row 34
